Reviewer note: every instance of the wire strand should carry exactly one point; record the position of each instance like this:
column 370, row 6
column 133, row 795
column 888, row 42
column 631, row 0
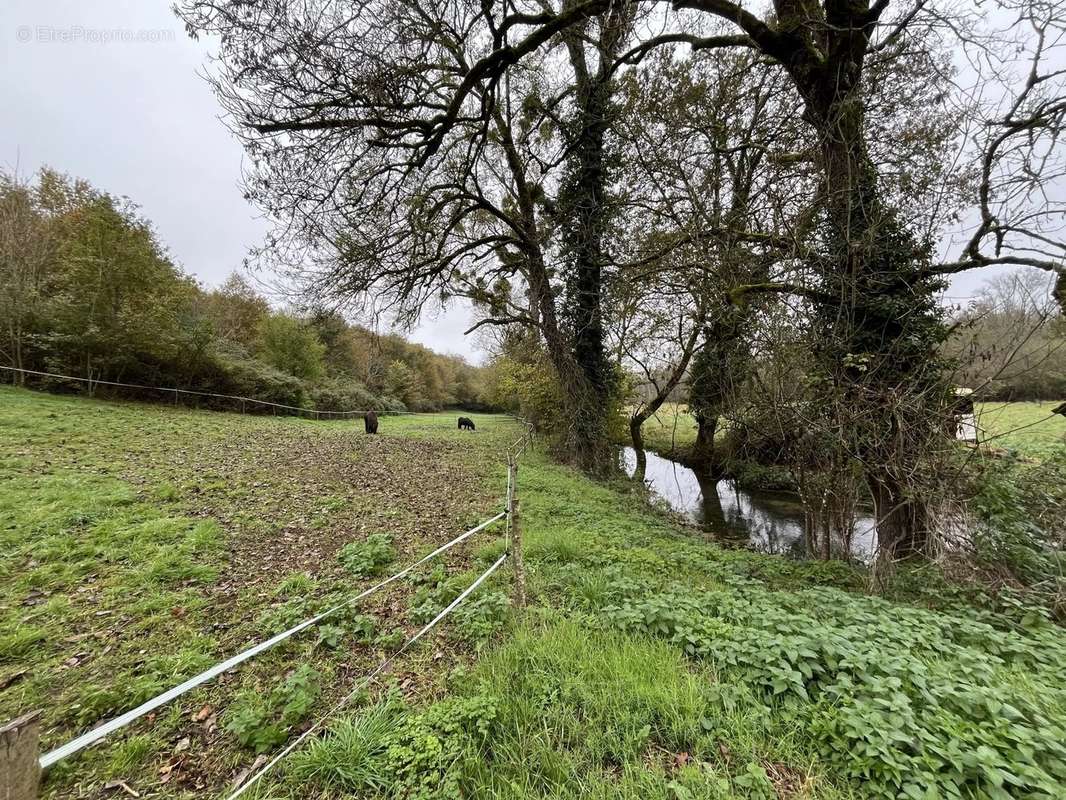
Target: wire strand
column 364, row 681
column 83, row 741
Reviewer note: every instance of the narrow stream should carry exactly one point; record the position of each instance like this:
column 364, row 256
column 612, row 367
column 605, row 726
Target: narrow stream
column 769, row 522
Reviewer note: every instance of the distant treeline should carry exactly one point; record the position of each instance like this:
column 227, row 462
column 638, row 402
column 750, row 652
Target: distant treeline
column 87, row 289
column 1010, row 342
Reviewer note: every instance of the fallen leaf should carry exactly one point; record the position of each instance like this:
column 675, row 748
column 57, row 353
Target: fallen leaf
column 242, row 776
column 203, row 714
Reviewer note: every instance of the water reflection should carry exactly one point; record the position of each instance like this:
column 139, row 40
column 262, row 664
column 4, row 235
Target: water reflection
column 770, row 522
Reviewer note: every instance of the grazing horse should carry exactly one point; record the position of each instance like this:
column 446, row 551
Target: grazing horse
column 370, row 419
column 465, row 423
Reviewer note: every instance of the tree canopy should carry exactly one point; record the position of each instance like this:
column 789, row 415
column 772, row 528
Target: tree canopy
column 87, row 289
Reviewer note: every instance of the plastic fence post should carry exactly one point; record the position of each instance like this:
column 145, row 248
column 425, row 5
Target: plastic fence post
column 516, row 538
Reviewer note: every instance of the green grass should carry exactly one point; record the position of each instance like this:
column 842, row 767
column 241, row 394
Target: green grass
column 140, row 544
column 650, row 664
column 654, row 665
column 1029, row 428
column 670, row 429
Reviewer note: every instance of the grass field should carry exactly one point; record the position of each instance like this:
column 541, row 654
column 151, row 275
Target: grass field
column 142, row 543
column 1029, row 428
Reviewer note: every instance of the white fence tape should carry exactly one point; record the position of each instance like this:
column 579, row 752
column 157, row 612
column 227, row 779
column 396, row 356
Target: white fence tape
column 365, row 680
column 83, row 741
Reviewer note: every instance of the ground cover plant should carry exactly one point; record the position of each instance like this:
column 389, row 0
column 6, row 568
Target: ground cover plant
column 654, row 664
column 650, row 663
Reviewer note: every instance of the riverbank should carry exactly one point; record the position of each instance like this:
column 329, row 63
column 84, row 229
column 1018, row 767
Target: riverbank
column 652, row 664
column 649, row 663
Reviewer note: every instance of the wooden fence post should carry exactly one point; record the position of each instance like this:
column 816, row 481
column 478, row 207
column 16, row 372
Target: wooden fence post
column 20, row 771
column 516, row 537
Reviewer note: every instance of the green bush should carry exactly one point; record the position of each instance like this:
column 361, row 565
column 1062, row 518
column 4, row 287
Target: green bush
column 230, row 372
column 1010, row 501
column 289, row 344
column 343, row 395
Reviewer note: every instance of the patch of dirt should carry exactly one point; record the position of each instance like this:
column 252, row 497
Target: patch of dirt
column 287, row 498
column 787, row 781
column 291, row 498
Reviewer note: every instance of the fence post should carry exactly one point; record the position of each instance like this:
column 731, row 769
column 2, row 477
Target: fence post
column 20, row 771
column 516, row 535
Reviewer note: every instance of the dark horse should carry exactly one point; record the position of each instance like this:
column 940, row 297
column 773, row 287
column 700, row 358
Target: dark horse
column 465, row 423
column 370, row 419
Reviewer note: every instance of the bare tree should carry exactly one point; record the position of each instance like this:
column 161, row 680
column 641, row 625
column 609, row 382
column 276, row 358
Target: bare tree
column 392, row 191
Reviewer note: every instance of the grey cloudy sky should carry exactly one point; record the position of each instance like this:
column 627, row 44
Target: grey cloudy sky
column 109, row 90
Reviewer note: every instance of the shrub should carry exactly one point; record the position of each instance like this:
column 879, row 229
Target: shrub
column 1009, row 501
column 343, row 395
column 291, row 345
column 229, row 371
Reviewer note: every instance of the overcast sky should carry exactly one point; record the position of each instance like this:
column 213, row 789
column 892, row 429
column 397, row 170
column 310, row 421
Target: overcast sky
column 111, row 91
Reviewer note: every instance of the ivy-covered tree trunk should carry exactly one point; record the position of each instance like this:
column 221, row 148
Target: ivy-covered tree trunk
column 879, row 327
column 722, row 362
column 584, row 212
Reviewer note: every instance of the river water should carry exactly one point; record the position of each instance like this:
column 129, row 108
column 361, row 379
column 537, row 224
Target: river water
column 770, row 522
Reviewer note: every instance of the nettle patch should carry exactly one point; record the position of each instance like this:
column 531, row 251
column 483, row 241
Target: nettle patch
column 262, row 721
column 473, row 622
column 367, row 558
column 390, row 750
column 902, row 702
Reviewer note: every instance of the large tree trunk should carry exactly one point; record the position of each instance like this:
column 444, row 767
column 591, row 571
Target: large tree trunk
column 585, row 214
column 723, row 362
column 704, row 455
column 879, row 328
